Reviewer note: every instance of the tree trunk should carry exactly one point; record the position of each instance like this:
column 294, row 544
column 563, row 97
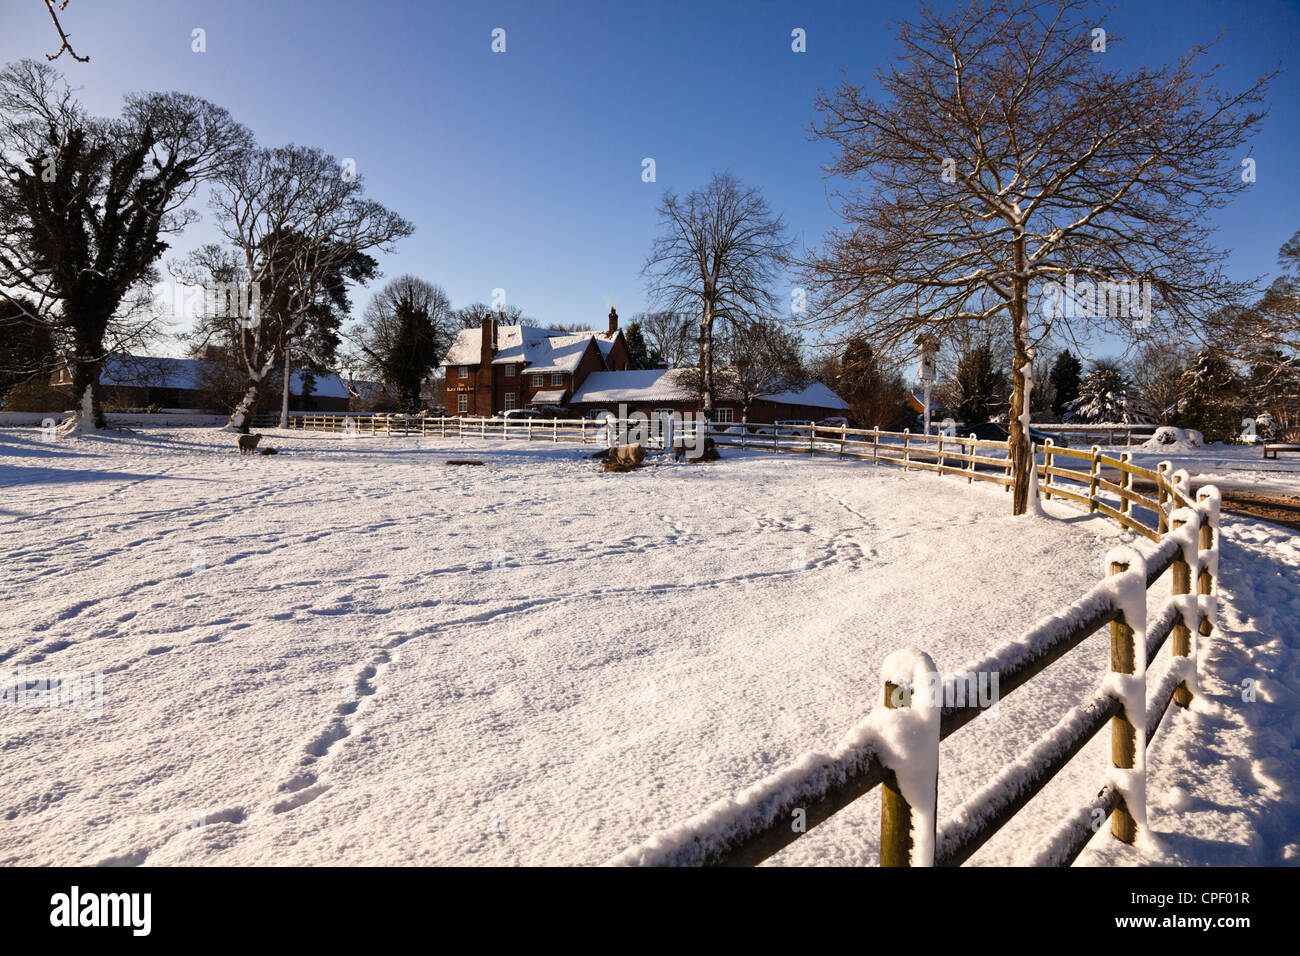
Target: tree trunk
column 1022, row 460
column 239, row 417
column 706, row 358
column 284, row 399
column 85, row 374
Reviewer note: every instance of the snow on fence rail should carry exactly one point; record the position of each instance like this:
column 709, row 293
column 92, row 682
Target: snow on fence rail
column 896, row 747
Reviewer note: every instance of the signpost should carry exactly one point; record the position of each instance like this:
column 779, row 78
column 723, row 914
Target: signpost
column 926, row 373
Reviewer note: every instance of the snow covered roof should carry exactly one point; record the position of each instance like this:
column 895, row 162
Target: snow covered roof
column 669, row 385
column 552, row 396
column 146, row 371
column 641, row 385
column 814, row 393
column 540, row 349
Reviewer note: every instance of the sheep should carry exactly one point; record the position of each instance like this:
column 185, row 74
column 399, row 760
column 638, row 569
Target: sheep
column 248, row 443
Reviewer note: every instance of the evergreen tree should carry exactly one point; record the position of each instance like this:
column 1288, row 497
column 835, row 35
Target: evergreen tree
column 980, row 389
column 1063, row 381
column 638, row 353
column 1213, row 397
column 876, row 398
column 1106, row 395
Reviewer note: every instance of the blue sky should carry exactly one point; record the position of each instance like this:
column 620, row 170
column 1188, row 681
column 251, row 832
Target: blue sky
column 522, row 170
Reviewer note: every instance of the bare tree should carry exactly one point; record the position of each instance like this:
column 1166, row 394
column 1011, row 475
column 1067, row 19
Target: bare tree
column 719, row 250
column 762, row 357
column 1010, row 164
column 403, row 333
column 296, row 218
column 86, row 204
column 670, row 335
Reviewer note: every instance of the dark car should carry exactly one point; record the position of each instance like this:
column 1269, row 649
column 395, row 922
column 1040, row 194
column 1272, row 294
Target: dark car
column 997, row 431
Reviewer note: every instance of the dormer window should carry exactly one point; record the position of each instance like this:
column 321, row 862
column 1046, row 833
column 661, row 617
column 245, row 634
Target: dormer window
column 464, row 371
column 510, row 370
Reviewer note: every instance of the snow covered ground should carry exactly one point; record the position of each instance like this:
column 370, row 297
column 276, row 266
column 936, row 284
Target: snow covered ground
column 353, row 653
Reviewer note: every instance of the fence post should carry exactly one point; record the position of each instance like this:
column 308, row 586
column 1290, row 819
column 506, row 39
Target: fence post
column 1205, row 580
column 812, row 439
column 1162, row 496
column 1093, row 464
column 1123, row 735
column 744, row 427
column 844, row 427
column 875, row 443
column 1125, row 482
column 1181, row 576
column 970, row 453
column 460, row 427
column 1047, row 469
column 906, row 433
column 1008, row 486
column 584, row 431
column 895, row 811
column 938, row 458
column 555, row 430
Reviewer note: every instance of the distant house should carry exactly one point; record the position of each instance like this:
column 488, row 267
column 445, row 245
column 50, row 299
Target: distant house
column 493, row 369
column 177, row 384
column 667, row 390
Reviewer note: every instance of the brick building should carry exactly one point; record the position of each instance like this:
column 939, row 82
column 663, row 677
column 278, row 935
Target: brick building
column 493, row 369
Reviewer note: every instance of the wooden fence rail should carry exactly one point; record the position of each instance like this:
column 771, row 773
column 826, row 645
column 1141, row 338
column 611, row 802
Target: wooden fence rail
column 751, row 826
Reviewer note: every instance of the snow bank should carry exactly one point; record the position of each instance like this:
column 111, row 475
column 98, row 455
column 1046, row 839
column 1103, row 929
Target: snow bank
column 1166, row 438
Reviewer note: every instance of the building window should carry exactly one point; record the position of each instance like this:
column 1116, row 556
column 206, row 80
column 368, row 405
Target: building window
column 722, row 415
column 510, row 399
column 462, row 403
column 537, row 381
column 464, row 371
column 557, row 378
column 510, row 370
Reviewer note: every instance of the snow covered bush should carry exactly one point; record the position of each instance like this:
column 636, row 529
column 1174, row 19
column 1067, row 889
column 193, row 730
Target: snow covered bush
column 1175, row 439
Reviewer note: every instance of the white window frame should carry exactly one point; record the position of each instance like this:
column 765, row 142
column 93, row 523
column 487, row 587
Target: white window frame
column 537, row 380
column 464, row 371
column 462, row 403
column 511, row 398
column 510, row 370
column 557, row 378
column 724, row 416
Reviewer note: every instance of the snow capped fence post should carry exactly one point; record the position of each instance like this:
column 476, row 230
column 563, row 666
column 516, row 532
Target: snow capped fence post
column 1125, row 482
column 1162, row 496
column 1093, row 464
column 843, row 431
column 1181, row 574
column 1123, row 732
column 1047, row 468
column 1208, row 498
column 913, row 761
column 906, row 432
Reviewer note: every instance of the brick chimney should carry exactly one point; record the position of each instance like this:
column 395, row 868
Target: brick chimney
column 613, row 320
column 488, row 345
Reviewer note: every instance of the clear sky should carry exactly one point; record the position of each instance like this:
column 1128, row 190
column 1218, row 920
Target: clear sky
column 522, row 170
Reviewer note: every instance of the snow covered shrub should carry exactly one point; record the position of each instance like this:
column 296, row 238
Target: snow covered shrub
column 1105, row 395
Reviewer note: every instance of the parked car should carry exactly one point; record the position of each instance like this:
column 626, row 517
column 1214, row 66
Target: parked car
column 600, row 415
column 514, row 414
column 998, row 431
column 835, row 421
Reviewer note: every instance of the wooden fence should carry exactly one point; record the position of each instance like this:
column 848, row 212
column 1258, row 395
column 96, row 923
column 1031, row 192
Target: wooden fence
column 751, row 826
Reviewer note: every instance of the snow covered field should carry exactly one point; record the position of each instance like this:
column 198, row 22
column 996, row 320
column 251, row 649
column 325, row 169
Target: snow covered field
column 353, row 653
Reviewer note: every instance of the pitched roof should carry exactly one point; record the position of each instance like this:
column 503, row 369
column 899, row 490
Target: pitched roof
column 540, row 349
column 670, row 385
